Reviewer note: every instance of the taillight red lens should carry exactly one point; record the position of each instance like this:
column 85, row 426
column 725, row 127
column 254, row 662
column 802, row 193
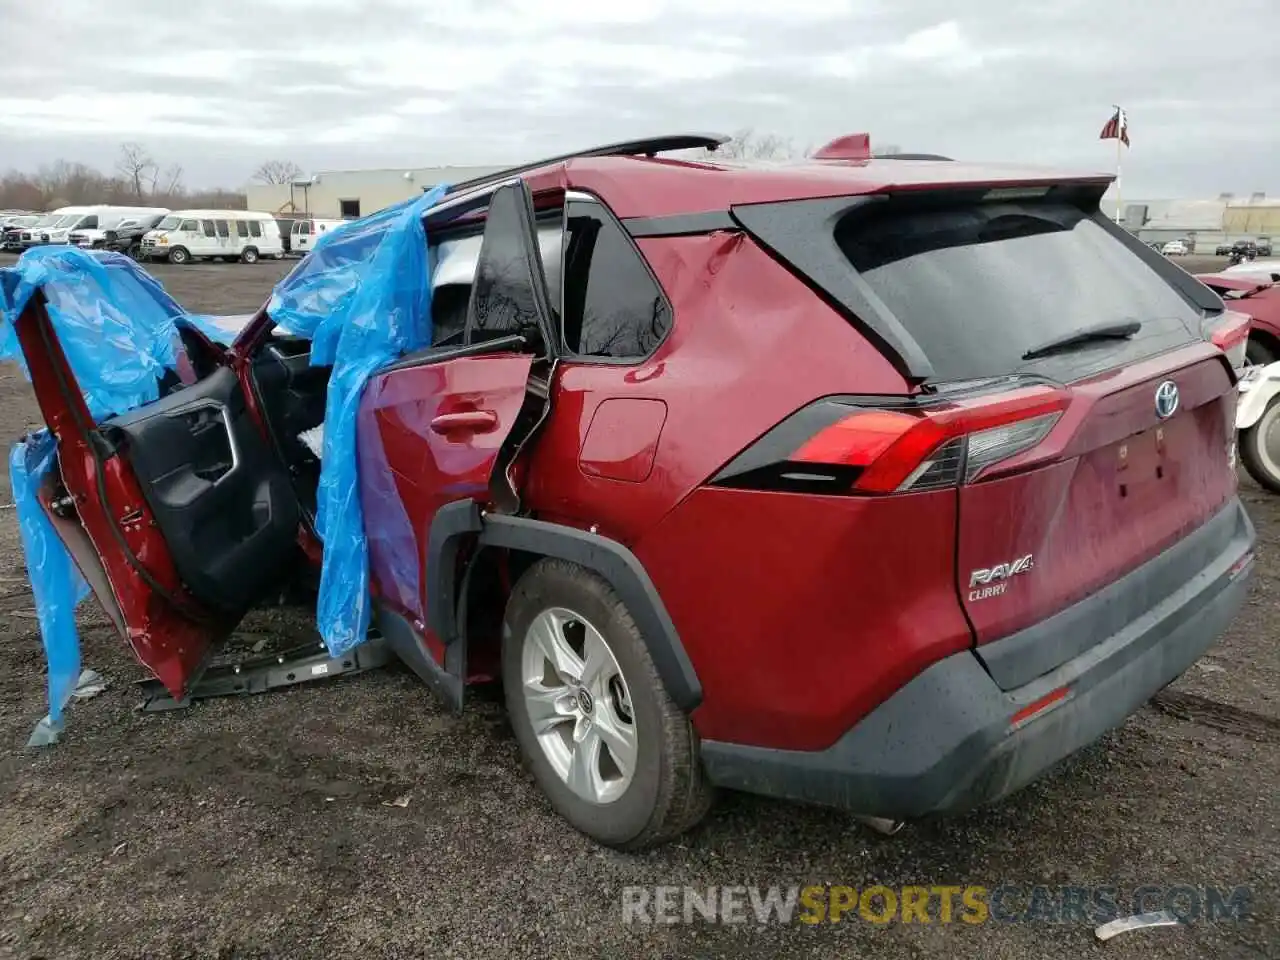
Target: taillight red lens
column 912, row 451
column 1231, row 335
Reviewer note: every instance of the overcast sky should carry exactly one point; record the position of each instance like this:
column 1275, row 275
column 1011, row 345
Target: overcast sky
column 220, row 86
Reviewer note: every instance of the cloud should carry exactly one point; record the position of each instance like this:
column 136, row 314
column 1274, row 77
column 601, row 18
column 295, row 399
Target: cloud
column 335, row 84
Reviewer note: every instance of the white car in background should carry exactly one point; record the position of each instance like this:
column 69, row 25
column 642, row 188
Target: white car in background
column 1174, row 248
column 1264, row 271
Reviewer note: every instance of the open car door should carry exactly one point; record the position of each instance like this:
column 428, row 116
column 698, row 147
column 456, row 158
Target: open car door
column 176, row 513
column 451, row 422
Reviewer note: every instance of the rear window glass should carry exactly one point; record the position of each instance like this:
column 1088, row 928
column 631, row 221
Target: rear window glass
column 979, row 286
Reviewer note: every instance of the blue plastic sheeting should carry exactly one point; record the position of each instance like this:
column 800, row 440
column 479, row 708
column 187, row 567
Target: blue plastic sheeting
column 363, row 297
column 115, row 325
column 55, row 581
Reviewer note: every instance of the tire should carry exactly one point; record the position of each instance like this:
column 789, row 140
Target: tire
column 1258, row 354
column 179, row 256
column 135, row 252
column 665, row 791
column 249, row 255
column 1263, row 464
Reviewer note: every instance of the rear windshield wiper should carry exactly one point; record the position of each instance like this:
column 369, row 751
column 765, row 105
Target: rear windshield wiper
column 1121, row 330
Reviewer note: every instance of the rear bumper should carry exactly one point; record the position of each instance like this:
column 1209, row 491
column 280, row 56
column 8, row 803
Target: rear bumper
column 946, row 742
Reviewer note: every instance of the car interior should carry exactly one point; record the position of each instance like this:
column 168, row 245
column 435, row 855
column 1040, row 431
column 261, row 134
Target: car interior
column 228, row 503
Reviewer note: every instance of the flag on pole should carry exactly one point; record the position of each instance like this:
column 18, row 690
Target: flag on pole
column 1117, row 128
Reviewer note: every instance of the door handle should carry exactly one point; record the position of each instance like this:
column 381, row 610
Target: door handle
column 468, row 421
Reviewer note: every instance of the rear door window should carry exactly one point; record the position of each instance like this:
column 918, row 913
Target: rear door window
column 612, row 307
column 979, row 286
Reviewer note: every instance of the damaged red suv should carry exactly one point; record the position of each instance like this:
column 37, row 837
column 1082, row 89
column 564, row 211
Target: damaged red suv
column 879, row 483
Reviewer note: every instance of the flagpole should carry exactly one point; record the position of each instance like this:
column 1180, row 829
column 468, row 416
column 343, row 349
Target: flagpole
column 1119, row 147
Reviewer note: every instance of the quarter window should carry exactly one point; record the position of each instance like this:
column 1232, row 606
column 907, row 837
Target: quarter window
column 612, row 307
column 242, row 228
column 255, row 228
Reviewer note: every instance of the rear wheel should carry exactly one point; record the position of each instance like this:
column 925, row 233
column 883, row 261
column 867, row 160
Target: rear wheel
column 1260, row 447
column 179, row 255
column 613, row 754
column 249, row 255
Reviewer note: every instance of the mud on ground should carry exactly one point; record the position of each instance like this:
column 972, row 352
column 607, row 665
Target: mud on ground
column 260, row 827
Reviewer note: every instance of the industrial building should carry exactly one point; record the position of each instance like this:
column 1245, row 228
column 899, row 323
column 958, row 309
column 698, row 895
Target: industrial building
column 1207, row 224
column 353, row 193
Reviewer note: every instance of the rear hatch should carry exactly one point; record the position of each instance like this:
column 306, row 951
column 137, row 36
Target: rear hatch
column 1124, row 443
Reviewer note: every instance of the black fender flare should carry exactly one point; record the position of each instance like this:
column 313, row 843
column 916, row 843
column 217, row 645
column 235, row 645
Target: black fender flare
column 455, row 522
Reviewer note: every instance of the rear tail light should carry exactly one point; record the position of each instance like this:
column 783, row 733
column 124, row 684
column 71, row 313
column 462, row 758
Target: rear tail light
column 1230, row 334
column 838, row 446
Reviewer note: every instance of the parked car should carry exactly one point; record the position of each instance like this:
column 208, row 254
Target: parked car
column 186, row 235
column 305, row 231
column 712, row 464
column 127, row 237
column 1260, row 299
column 1263, row 248
column 11, row 231
column 1260, row 270
column 1222, row 250
column 91, row 232
column 1174, row 248
column 31, row 235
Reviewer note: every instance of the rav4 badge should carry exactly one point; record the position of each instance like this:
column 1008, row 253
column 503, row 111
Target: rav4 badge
column 993, row 581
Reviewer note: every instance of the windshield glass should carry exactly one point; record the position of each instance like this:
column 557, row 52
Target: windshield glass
column 978, row 286
column 169, row 223
column 67, row 220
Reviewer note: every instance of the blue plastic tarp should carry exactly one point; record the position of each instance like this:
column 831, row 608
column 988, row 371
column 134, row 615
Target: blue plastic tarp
column 55, row 582
column 114, row 321
column 363, row 297
column 116, row 327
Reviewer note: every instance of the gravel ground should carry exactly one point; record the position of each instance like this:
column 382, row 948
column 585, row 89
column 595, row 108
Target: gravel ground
column 262, row 827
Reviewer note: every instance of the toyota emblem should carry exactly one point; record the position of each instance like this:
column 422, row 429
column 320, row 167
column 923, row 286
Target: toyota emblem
column 1166, row 399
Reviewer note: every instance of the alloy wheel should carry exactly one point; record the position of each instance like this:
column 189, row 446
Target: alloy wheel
column 579, row 705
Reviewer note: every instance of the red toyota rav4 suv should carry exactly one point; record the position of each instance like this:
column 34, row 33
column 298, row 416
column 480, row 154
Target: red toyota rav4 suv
column 880, row 483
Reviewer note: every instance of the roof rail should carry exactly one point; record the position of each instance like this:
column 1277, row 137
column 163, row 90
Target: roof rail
column 649, row 146
column 912, row 156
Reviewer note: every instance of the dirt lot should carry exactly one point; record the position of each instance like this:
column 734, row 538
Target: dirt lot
column 259, row 827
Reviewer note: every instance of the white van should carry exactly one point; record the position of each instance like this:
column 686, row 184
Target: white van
column 306, row 231
column 186, row 235
column 93, row 227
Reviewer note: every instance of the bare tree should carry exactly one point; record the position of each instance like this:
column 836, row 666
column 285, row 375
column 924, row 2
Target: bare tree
column 749, row 145
column 62, row 183
column 136, row 167
column 277, row 171
column 167, row 184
